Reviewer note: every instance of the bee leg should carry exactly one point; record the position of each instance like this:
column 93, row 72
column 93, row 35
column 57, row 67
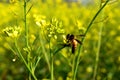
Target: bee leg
column 79, row 41
column 73, row 49
column 66, row 45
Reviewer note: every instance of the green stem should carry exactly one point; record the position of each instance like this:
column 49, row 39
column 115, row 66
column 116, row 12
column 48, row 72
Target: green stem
column 43, row 48
column 52, row 76
column 21, row 56
column 51, row 63
column 97, row 54
column 59, row 49
column 25, row 23
column 98, row 48
column 27, row 43
column 73, row 67
column 78, row 58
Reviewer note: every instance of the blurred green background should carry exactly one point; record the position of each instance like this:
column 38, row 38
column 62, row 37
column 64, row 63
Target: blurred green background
column 75, row 15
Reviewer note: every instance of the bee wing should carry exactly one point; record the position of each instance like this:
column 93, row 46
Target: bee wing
column 79, row 41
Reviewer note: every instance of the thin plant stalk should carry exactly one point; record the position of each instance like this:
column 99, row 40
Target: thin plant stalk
column 80, row 47
column 43, row 49
column 27, row 43
column 51, row 63
column 59, row 49
column 98, row 48
column 21, row 56
column 73, row 67
column 25, row 24
column 26, row 35
column 52, row 68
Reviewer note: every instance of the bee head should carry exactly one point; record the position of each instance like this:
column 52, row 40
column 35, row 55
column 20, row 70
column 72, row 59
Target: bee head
column 70, row 36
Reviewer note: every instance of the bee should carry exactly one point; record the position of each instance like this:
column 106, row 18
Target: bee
column 72, row 41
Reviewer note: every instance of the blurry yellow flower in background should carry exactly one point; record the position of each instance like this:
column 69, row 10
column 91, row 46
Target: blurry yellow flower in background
column 118, row 58
column 112, row 32
column 99, row 77
column 57, row 62
column 103, row 70
column 60, row 78
column 117, row 38
column 40, row 20
column 13, row 1
column 89, row 69
column 58, row 1
column 32, row 38
column 119, row 27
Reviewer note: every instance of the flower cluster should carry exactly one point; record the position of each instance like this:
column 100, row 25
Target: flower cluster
column 40, row 20
column 52, row 27
column 13, row 32
column 55, row 27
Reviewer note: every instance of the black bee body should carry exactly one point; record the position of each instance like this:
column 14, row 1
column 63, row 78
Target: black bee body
column 72, row 41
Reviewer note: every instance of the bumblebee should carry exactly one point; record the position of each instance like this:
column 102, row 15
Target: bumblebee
column 72, row 41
